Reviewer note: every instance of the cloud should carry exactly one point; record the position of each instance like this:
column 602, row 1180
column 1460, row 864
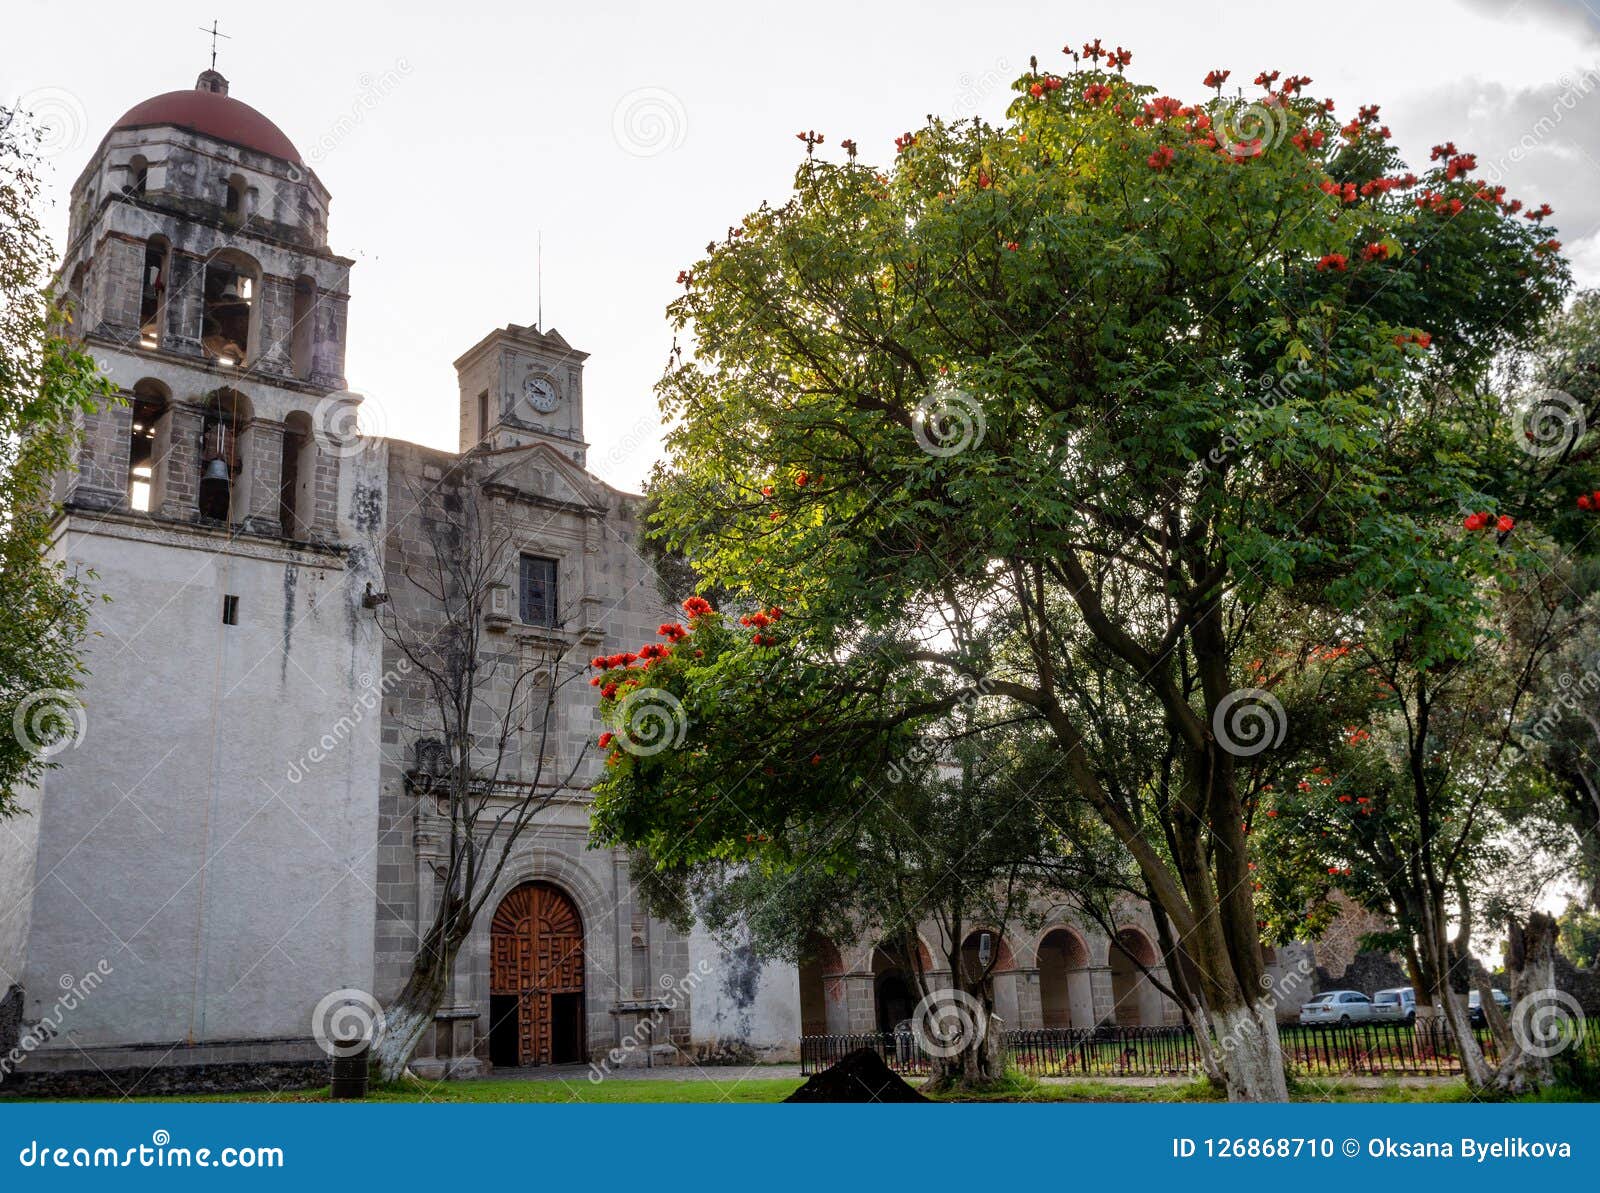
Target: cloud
column 1541, row 142
column 1573, row 16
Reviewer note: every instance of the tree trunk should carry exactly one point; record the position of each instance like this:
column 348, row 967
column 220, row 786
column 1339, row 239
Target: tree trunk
column 1434, row 955
column 1250, row 1053
column 1538, row 1011
column 413, row 1010
column 980, row 1060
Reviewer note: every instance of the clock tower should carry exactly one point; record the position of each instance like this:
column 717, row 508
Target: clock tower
column 520, row 385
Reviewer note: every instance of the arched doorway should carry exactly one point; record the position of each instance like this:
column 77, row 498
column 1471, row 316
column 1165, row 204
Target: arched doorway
column 893, row 989
column 1131, row 991
column 1066, row 998
column 536, row 978
column 820, row 966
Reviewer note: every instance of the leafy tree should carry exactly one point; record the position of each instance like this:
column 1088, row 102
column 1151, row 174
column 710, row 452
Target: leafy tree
column 1580, row 936
column 952, row 841
column 46, row 383
column 1118, row 345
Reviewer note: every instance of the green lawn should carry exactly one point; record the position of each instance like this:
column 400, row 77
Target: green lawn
column 764, row 1089
column 767, row 1089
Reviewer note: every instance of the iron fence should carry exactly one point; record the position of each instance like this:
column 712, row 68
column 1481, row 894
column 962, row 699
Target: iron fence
column 1426, row 1048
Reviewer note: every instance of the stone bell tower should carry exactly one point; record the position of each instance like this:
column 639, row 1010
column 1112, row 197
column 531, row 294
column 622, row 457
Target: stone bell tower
column 520, row 385
column 199, row 270
column 198, row 844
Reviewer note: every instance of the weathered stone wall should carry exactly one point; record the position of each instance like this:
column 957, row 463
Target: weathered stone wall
column 608, row 603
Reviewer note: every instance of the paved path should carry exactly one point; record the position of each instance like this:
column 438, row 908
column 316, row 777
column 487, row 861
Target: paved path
column 722, row 1074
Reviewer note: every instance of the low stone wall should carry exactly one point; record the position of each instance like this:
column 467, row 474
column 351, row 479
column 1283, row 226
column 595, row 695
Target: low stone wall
column 1582, row 984
column 216, row 1066
column 1369, row 972
column 224, row 1078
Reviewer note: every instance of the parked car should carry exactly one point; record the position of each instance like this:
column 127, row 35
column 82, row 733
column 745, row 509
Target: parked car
column 1475, row 1006
column 1336, row 1008
column 1395, row 1005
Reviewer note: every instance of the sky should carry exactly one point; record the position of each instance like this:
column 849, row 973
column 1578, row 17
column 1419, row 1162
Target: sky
column 629, row 135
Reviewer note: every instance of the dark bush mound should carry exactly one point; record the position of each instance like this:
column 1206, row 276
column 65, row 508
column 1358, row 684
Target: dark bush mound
column 860, row 1076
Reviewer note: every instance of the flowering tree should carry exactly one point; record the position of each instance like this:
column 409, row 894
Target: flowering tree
column 1458, row 754
column 1121, row 346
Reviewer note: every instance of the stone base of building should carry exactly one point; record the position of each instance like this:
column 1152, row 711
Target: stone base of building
column 448, row 1052
column 224, row 1066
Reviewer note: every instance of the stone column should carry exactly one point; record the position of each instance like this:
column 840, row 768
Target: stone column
column 185, row 301
column 1029, row 1005
column 861, row 1003
column 178, row 477
column 327, row 345
column 116, row 285
column 102, row 473
column 1104, row 999
column 274, row 350
column 259, row 502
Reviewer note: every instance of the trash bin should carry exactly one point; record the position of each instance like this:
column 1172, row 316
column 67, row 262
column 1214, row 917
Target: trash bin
column 350, row 1070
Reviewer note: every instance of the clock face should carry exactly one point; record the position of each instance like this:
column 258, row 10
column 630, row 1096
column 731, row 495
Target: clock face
column 541, row 395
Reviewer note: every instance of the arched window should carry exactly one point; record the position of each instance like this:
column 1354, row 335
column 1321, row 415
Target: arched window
column 303, row 338
column 221, row 463
column 233, row 200
column 138, row 175
column 296, row 500
column 145, row 446
column 153, row 292
column 227, row 318
column 75, row 288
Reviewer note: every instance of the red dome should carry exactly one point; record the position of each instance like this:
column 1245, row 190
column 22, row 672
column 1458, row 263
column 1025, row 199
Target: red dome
column 212, row 114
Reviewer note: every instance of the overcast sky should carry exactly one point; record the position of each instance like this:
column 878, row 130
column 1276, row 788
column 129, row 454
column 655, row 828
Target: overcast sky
column 632, row 134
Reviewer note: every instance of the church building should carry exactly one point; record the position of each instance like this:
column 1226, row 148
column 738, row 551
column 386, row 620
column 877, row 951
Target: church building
column 243, row 842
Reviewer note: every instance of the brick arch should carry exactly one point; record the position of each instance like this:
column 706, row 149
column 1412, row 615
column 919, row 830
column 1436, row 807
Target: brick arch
column 1136, row 1003
column 822, row 990
column 1066, row 989
column 1077, row 953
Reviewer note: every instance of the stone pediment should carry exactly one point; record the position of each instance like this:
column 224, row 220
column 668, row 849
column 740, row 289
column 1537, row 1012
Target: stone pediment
column 540, row 474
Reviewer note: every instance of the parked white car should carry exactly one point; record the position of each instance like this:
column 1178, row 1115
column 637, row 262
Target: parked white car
column 1396, row 1005
column 1475, row 1006
column 1336, row 1008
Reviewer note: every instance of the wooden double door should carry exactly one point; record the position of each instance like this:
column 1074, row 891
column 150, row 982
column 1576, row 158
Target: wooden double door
column 536, row 978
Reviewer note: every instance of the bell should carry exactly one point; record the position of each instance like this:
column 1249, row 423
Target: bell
column 214, row 485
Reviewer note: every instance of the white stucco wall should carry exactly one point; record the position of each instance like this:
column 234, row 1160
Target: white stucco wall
column 174, row 843
column 742, row 1000
column 19, row 841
